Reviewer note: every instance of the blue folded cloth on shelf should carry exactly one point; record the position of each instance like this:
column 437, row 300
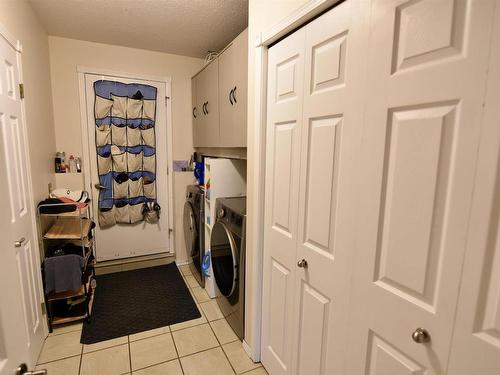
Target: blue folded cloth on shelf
column 63, row 273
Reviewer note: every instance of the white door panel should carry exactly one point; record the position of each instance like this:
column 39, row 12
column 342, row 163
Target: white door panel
column 427, row 69
column 285, row 93
column 313, row 139
column 476, row 340
column 334, row 77
column 21, row 319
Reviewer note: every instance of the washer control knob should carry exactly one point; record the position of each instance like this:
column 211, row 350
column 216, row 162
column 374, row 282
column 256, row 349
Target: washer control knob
column 221, row 213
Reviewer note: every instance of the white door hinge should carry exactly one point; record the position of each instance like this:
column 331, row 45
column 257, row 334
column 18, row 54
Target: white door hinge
column 44, row 309
column 21, row 90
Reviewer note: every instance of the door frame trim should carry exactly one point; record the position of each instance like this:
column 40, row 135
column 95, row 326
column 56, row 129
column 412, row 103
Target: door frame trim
column 256, row 151
column 167, row 80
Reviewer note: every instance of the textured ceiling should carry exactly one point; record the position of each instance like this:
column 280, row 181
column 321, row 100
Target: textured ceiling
column 184, row 27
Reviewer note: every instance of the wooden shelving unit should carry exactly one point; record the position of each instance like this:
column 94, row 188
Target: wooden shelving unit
column 73, row 227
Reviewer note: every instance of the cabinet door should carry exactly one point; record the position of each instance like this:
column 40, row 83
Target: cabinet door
column 427, row 72
column 195, row 113
column 207, row 99
column 233, row 64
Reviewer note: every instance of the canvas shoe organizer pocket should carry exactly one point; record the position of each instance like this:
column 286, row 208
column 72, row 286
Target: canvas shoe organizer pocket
column 120, row 190
column 135, row 211
column 103, row 164
column 134, row 108
column 150, row 190
column 119, row 108
column 122, row 212
column 133, row 136
column 120, row 162
column 149, row 109
column 102, row 107
column 134, row 162
column 148, row 137
column 149, row 164
column 103, row 135
column 119, row 135
column 135, row 188
column 107, row 217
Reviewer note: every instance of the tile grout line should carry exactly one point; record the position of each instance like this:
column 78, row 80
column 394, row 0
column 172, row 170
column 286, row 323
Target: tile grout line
column 208, row 322
column 81, row 361
column 176, row 351
column 59, row 359
column 223, row 351
column 156, row 364
column 129, row 354
column 62, row 333
column 107, row 347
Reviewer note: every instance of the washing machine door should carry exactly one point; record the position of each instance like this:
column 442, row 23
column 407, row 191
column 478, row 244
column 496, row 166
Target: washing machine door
column 190, row 229
column 224, row 259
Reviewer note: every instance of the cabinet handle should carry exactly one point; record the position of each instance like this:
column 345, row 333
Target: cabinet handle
column 231, row 97
column 206, row 107
column 194, row 112
column 234, row 95
column 203, row 108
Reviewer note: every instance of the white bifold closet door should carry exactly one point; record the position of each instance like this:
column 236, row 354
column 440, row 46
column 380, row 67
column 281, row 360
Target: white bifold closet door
column 476, row 340
column 315, row 98
column 373, row 132
column 427, row 69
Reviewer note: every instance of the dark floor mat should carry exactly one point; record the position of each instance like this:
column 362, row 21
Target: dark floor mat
column 139, row 300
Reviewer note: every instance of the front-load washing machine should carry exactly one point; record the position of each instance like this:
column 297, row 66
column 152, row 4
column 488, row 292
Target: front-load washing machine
column 228, row 248
column 194, row 218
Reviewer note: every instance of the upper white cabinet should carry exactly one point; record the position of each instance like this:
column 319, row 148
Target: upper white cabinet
column 206, row 111
column 220, row 98
column 233, row 93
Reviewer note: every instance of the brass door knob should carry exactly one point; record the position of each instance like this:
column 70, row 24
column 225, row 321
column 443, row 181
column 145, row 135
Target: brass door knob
column 302, row 263
column 420, row 336
column 19, row 242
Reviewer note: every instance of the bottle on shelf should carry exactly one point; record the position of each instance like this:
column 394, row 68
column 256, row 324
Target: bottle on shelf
column 72, row 164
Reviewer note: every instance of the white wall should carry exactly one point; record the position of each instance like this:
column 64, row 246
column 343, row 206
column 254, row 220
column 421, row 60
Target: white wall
column 67, row 54
column 20, row 21
column 262, row 16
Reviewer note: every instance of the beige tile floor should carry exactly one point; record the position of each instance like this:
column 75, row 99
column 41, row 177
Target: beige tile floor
column 203, row 346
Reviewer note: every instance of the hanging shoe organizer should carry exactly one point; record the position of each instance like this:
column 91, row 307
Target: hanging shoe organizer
column 126, row 150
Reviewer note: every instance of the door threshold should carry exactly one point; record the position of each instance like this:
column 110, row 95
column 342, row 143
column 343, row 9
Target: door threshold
column 128, row 264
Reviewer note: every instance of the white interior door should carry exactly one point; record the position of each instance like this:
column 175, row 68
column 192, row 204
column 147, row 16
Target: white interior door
column 427, row 71
column 333, row 97
column 284, row 126
column 21, row 319
column 129, row 240
column 476, row 339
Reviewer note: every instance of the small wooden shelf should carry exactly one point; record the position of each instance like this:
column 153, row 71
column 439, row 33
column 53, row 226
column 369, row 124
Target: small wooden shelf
column 68, row 229
column 68, row 319
column 76, row 213
column 69, row 293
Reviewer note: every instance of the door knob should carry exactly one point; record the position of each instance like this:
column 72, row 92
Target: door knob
column 100, row 187
column 23, row 370
column 19, row 242
column 302, row 263
column 420, row 336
